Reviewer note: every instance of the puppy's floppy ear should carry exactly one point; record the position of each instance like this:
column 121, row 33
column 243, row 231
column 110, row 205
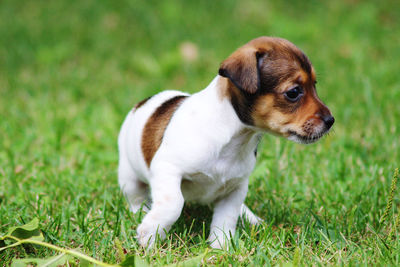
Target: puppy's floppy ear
column 242, row 68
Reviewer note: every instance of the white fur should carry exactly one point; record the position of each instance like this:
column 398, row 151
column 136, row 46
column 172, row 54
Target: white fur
column 206, row 156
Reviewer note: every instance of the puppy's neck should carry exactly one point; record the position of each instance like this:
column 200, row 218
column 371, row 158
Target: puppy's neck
column 241, row 102
column 217, row 99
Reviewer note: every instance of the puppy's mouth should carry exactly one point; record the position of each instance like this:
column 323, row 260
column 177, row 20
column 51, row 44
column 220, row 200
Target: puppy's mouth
column 305, row 139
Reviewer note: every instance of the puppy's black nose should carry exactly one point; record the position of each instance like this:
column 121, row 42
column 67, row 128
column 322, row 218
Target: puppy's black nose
column 328, row 120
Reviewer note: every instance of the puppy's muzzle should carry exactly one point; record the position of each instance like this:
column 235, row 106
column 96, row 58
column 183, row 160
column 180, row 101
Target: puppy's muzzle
column 313, row 129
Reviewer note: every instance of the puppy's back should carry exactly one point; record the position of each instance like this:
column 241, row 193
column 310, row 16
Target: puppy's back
column 142, row 131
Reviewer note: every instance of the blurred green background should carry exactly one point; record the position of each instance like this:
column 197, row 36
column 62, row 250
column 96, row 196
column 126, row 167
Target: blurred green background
column 71, row 70
column 73, row 57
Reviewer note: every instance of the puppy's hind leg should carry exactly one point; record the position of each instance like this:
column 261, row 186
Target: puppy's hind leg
column 248, row 215
column 167, row 204
column 135, row 191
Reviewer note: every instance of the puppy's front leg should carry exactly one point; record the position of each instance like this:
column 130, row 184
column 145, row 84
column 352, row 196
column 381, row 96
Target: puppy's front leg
column 226, row 214
column 166, row 207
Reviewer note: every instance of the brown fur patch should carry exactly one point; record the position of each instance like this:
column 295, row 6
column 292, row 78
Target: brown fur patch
column 241, row 69
column 155, row 126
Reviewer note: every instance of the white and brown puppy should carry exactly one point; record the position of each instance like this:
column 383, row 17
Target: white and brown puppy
column 176, row 147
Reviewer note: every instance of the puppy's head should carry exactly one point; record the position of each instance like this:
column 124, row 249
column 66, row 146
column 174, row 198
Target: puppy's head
column 271, row 84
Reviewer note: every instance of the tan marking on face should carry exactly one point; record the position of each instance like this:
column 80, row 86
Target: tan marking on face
column 155, row 126
column 267, row 117
column 302, row 78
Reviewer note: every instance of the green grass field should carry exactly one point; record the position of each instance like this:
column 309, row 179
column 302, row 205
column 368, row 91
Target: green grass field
column 71, row 70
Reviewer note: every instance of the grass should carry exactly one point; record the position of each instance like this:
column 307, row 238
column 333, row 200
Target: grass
column 71, row 70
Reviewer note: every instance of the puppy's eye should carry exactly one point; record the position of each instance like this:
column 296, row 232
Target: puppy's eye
column 294, row 94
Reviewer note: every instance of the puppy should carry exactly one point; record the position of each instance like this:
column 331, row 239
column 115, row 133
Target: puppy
column 176, row 147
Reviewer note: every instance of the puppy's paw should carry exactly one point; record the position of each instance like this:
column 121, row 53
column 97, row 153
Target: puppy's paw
column 147, row 233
